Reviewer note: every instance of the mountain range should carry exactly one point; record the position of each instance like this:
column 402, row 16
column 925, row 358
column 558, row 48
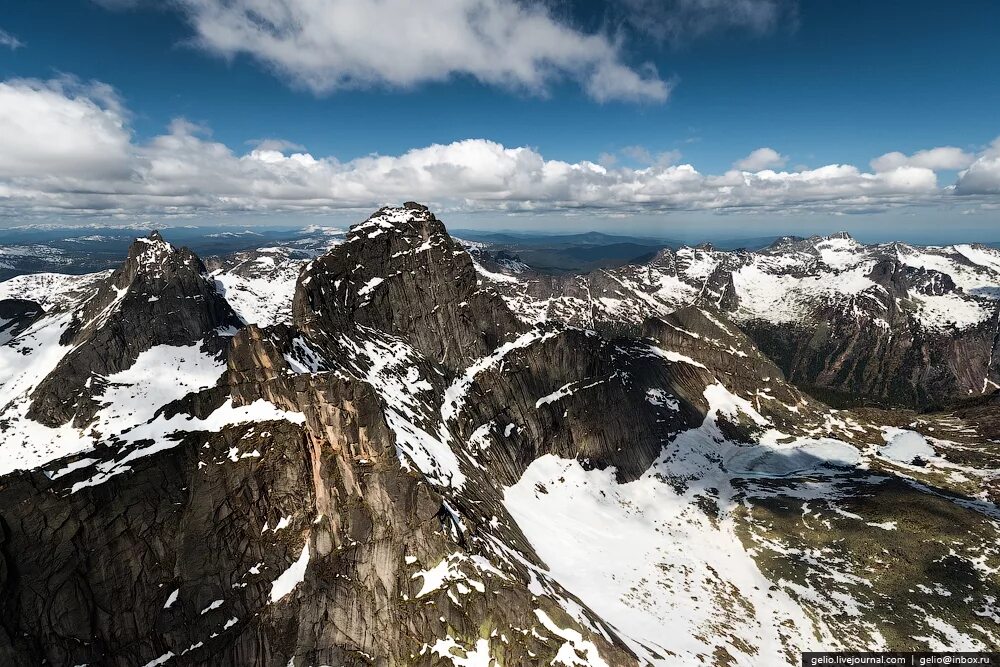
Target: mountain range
column 394, row 447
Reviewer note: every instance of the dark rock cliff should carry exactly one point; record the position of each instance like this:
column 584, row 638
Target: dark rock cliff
column 16, row 315
column 874, row 349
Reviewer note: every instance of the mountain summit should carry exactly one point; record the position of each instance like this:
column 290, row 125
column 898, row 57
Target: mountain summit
column 160, row 295
column 400, row 272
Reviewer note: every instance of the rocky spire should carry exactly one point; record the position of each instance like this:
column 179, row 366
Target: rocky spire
column 399, row 271
column 160, row 295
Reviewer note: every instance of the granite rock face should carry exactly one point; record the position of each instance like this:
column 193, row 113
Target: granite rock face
column 401, row 273
column 197, row 537
column 16, row 315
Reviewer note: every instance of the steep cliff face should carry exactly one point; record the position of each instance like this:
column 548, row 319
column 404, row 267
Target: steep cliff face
column 460, row 414
column 882, row 345
column 398, row 582
column 159, row 296
column 400, row 272
column 361, row 484
column 403, row 472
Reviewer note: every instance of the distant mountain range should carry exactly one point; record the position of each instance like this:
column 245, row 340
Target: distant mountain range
column 78, row 250
column 570, row 253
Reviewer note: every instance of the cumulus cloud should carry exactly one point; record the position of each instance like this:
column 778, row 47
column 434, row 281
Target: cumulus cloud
column 61, row 129
column 936, row 159
column 72, row 152
column 983, row 175
column 9, row 41
column 762, row 158
column 325, row 45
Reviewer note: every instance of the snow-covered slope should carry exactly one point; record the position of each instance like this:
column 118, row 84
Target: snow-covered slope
column 259, row 284
column 128, row 401
column 836, row 314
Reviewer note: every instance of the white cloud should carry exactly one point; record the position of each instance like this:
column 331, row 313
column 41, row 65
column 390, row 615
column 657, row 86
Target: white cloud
column 983, row 176
column 61, row 129
column 10, row 41
column 72, row 152
column 762, row 158
column 325, row 45
column 937, row 159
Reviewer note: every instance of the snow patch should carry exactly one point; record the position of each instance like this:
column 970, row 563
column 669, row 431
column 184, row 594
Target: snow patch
column 904, row 446
column 576, row 646
column 292, row 577
column 171, row 599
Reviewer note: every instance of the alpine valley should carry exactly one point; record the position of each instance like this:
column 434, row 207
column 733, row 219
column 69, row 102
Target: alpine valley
column 393, row 447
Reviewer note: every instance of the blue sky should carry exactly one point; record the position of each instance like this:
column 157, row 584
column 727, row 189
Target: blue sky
column 641, row 87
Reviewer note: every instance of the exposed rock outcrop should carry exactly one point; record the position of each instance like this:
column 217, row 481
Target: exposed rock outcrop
column 16, row 315
column 888, row 325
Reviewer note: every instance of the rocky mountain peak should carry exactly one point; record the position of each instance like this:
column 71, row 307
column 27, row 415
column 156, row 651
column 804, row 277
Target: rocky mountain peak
column 156, row 259
column 663, row 257
column 151, row 244
column 160, row 295
column 409, row 220
column 405, row 475
column 400, row 272
column 783, row 241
